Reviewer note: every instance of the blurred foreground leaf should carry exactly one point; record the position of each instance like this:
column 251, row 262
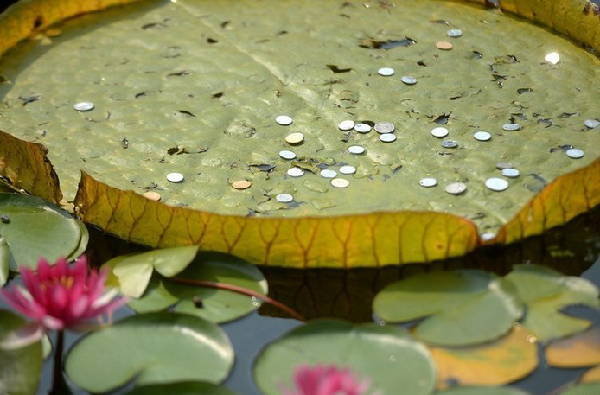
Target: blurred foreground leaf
column 34, row 228
column 154, row 348
column 482, row 391
column 385, row 355
column 20, row 368
column 460, row 307
column 182, row 388
column 508, row 359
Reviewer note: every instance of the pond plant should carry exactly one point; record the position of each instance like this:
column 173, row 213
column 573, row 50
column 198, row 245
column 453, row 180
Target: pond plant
column 187, row 149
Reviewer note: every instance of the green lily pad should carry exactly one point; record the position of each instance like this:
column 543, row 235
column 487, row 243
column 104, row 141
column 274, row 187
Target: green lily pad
column 387, row 356
column 583, row 389
column 153, row 348
column 215, row 304
column 182, row 388
column 20, row 368
column 482, row 391
column 55, row 234
column 461, row 307
column 4, row 261
column 545, row 292
column 133, row 271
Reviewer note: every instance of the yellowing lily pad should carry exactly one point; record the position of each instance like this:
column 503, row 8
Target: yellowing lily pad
column 581, row 349
column 508, row 359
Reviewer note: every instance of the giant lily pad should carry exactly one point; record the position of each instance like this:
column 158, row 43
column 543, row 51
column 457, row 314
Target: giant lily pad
column 385, row 355
column 232, row 110
column 582, row 349
column 20, row 368
column 461, row 308
column 154, row 348
column 545, row 292
column 583, row 389
column 55, row 234
column 217, row 305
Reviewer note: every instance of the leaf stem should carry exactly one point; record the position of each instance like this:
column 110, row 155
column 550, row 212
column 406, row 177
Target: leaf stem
column 57, row 382
column 243, row 291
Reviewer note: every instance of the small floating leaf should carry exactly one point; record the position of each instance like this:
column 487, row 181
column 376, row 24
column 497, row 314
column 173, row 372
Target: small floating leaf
column 133, row 271
column 462, row 307
column 215, row 305
column 545, row 292
column 154, row 348
column 510, row 358
column 385, row 355
column 20, row 368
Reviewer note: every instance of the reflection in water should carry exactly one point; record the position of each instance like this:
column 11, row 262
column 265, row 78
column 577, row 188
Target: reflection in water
column 348, row 294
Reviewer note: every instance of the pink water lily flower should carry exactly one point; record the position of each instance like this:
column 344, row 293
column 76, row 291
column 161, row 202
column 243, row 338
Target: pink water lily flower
column 56, row 298
column 326, row 380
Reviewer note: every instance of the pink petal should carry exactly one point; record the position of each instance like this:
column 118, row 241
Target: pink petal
column 78, row 308
column 32, row 284
column 59, row 298
column 43, row 270
column 52, row 323
column 15, row 299
column 60, row 269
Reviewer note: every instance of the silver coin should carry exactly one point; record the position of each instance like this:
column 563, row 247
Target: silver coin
column 347, row 170
column 591, row 123
column 511, row 127
column 449, row 144
column 386, row 71
column 356, row 149
column 284, row 198
column 575, row 153
column 511, row 173
column 408, row 80
column 496, row 184
column 454, row 33
column 387, row 138
column 384, row 127
column 328, row 173
column 455, row 188
column 362, row 127
column 428, row 182
column 84, row 106
column 284, row 120
column 295, row 172
column 287, row 154
column 482, row 136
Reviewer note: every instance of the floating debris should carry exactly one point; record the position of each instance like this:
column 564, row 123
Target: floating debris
column 428, row 182
column 356, row 149
column 346, row 125
column 328, row 173
column 591, row 123
column 295, row 172
column 488, row 236
column 504, row 165
column 287, row 154
column 284, row 120
column 511, row 127
column 496, row 184
column 83, row 106
column 5, row 218
column 511, row 173
column 445, row 45
column 384, row 127
column 175, row 177
column 362, row 127
column 294, row 138
column 387, row 138
column 242, row 184
column 340, row 183
column 575, row 153
column 455, row 188
column 552, row 57
column 449, row 144
column 482, row 136
column 386, row 71
column 439, row 132
column 454, row 33
column 155, row 197
column 408, row 80
column 347, row 169
column 284, row 198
